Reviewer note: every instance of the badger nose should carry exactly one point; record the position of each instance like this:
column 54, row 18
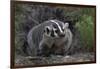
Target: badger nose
column 62, row 35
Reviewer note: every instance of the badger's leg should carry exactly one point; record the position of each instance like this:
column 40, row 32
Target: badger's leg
column 43, row 50
column 57, row 50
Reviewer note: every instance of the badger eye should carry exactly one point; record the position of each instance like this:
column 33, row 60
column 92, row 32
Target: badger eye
column 47, row 30
column 56, row 31
column 62, row 29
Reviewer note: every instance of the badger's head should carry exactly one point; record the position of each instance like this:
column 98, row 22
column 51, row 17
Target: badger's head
column 57, row 29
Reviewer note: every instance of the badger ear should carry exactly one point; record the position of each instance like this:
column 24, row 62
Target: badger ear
column 66, row 25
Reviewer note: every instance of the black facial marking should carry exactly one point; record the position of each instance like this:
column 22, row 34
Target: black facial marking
column 55, row 25
column 47, row 30
column 52, row 33
column 57, row 31
column 63, row 29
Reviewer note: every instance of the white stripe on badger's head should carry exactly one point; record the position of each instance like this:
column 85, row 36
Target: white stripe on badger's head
column 57, row 25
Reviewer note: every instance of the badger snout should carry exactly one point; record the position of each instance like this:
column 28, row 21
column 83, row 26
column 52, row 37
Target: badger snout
column 62, row 35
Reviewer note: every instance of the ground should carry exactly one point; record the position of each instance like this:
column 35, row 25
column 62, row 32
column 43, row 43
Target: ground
column 79, row 57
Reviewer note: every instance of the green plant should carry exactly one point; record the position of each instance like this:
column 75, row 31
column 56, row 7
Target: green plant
column 86, row 28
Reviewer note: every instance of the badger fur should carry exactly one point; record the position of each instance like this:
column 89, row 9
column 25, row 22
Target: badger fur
column 50, row 37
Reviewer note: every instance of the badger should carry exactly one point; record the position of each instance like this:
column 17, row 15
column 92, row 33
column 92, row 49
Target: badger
column 50, row 37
